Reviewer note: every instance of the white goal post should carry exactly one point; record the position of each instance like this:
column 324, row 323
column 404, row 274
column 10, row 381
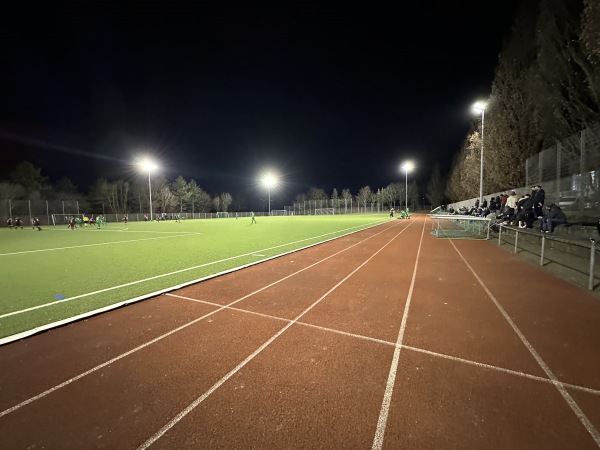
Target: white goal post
column 222, row 214
column 59, row 219
column 324, row 211
column 279, row 212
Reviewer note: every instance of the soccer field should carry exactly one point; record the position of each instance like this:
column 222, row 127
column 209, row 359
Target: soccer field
column 58, row 274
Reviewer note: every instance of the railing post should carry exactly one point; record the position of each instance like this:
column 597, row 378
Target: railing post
column 500, row 234
column 516, row 239
column 543, row 245
column 592, row 264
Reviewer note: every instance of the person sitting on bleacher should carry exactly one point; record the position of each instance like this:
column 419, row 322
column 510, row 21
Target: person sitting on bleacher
column 554, row 217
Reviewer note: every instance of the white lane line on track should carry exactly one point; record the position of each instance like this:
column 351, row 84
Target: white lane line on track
column 96, row 245
column 187, row 269
column 159, row 338
column 250, row 357
column 591, row 429
column 392, row 344
column 389, row 388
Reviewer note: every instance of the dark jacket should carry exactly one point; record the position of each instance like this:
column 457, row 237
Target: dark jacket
column 556, row 213
column 539, row 197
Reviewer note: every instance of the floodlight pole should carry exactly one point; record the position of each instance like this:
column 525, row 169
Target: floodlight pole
column 269, row 200
column 150, row 193
column 479, row 108
column 481, row 162
column 406, row 189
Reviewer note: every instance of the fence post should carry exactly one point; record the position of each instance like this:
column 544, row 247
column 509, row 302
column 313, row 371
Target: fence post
column 592, row 264
column 543, row 246
column 516, row 239
column 500, row 234
column 47, row 213
column 30, row 218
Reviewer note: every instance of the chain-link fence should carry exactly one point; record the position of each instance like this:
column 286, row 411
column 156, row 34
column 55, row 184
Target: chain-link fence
column 569, row 171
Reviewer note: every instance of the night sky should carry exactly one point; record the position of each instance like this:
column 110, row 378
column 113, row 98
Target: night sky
column 325, row 94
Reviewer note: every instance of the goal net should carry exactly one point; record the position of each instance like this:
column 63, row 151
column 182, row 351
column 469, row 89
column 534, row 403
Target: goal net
column 324, row 211
column 59, row 219
column 279, row 212
column 460, row 227
column 222, row 214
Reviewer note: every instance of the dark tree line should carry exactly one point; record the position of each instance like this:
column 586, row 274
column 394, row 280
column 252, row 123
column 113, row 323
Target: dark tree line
column 26, row 182
column 546, row 87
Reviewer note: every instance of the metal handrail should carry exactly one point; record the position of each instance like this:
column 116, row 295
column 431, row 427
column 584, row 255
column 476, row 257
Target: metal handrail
column 592, row 247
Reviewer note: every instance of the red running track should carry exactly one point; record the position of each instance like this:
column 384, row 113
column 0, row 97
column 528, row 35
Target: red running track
column 387, row 338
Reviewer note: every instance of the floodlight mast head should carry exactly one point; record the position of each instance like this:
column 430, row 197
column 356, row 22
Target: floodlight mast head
column 479, row 107
column 149, row 166
column 407, row 166
column 269, row 180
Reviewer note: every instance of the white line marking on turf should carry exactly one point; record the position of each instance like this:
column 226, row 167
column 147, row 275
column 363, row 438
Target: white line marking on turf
column 567, row 397
column 187, row 269
column 250, row 357
column 389, row 388
column 95, row 245
column 140, row 347
column 389, row 343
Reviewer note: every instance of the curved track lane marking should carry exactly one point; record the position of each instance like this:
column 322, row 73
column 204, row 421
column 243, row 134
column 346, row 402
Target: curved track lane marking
column 256, row 352
column 159, row 338
column 567, row 397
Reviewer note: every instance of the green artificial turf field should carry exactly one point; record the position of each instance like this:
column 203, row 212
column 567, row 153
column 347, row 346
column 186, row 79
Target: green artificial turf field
column 58, row 274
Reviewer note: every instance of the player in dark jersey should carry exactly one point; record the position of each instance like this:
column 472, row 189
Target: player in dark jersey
column 36, row 224
column 18, row 223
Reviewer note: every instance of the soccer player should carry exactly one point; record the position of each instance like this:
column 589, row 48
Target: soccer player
column 9, row 223
column 253, row 219
column 18, row 223
column 125, row 219
column 36, row 223
column 72, row 223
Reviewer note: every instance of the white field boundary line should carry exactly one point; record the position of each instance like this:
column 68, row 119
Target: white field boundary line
column 393, row 344
column 187, row 269
column 96, row 245
column 389, row 388
column 256, row 352
column 128, row 231
column 591, row 429
column 159, row 338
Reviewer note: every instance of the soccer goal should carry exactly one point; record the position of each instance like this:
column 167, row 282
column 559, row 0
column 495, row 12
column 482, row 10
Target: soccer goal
column 460, row 227
column 60, row 219
column 324, row 211
column 279, row 212
column 222, row 214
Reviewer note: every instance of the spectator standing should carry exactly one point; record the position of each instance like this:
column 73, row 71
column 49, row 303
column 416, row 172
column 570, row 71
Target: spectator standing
column 539, row 197
column 510, row 207
column 503, row 199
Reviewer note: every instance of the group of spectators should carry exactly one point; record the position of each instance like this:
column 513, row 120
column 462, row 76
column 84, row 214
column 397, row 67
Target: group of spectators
column 519, row 211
